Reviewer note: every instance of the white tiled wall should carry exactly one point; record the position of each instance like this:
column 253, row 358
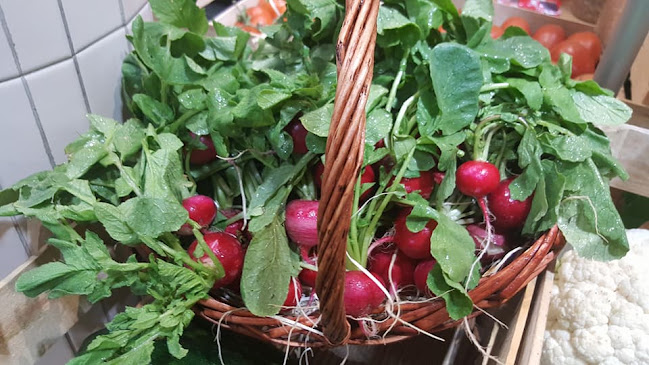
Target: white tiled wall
column 37, row 31
column 103, row 89
column 59, row 60
column 48, row 100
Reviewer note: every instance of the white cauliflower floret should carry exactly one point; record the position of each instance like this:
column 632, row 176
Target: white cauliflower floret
column 599, row 312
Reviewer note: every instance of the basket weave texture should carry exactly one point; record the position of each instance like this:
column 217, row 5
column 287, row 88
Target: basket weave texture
column 329, row 326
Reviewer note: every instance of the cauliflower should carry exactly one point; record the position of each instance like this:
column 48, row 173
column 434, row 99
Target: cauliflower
column 599, row 312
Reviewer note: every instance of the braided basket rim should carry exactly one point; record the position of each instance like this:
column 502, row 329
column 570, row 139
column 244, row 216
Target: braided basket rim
column 429, row 316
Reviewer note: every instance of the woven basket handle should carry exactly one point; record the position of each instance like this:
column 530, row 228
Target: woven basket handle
column 345, row 144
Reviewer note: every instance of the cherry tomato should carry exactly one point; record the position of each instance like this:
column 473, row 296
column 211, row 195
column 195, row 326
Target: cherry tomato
column 516, row 21
column 590, row 41
column 496, row 31
column 549, row 35
column 582, row 62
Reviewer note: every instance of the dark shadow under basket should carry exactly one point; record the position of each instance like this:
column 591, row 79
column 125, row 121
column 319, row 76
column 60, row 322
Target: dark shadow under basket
column 329, row 326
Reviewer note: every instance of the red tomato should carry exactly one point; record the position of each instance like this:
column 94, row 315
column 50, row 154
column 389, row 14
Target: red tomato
column 516, row 21
column 496, row 31
column 584, row 77
column 247, row 28
column 549, row 35
column 582, row 62
column 280, row 5
column 260, row 16
column 590, row 41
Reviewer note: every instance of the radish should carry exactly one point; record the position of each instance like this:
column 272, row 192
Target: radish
column 402, row 270
column 229, row 252
column 508, row 213
column 367, row 177
column 307, row 277
column 495, row 250
column 302, row 222
column 424, row 183
column 414, row 245
column 438, row 177
column 235, row 228
column 294, row 293
column 477, row 178
column 298, row 133
column 201, row 157
column 201, row 210
column 420, row 275
column 361, row 295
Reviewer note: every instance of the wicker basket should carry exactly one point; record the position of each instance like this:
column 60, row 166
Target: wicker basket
column 329, row 326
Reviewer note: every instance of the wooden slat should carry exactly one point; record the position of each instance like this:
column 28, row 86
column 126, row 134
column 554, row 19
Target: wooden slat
column 532, row 342
column 30, row 326
column 509, row 349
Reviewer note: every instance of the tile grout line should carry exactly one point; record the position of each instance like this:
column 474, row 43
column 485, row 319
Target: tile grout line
column 21, row 236
column 77, row 69
column 124, row 22
column 121, row 12
column 41, row 131
column 137, row 13
column 55, row 62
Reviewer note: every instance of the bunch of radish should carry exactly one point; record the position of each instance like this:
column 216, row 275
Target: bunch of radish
column 400, row 261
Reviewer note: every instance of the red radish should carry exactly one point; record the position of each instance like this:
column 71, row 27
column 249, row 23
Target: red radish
column 402, row 270
column 386, row 162
column 362, row 295
column 302, row 222
column 414, row 245
column 495, row 250
column 294, row 293
column 200, row 157
column 421, row 276
column 235, row 228
column 424, row 183
column 380, row 144
column 227, row 250
column 298, row 133
column 201, row 210
column 508, row 212
column 367, row 177
column 477, row 178
column 438, row 177
column 307, row 277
